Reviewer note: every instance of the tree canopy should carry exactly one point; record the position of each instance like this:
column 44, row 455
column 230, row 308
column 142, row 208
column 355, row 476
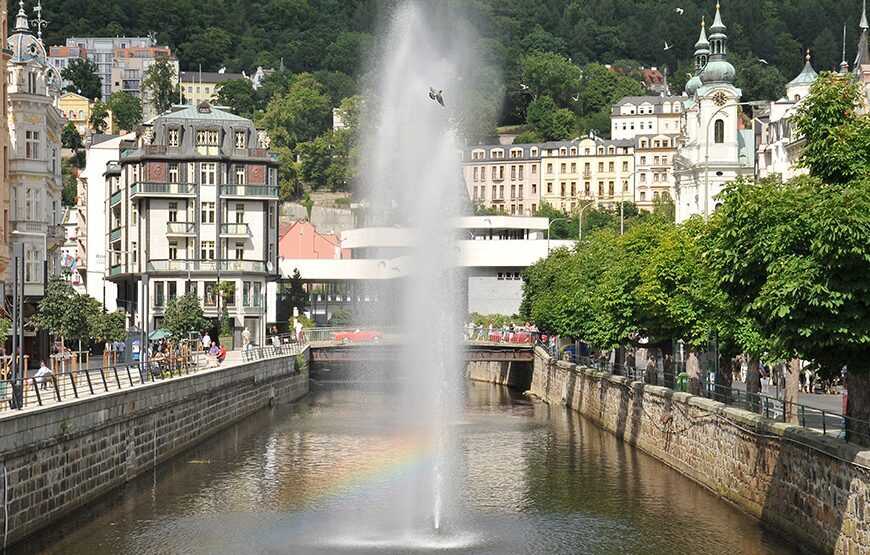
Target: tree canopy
column 161, row 85
column 84, row 78
column 126, row 110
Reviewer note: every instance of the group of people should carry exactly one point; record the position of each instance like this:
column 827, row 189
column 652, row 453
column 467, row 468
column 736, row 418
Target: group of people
column 117, row 347
column 506, row 334
column 218, row 352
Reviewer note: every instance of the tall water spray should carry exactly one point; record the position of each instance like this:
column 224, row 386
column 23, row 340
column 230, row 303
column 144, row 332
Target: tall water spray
column 412, row 180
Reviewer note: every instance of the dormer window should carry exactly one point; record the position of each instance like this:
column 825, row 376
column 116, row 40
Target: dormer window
column 207, row 142
column 241, row 140
column 173, row 139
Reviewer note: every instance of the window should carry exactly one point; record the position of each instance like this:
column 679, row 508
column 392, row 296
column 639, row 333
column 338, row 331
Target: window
column 610, row 167
column 549, row 169
column 31, row 83
column 643, row 178
column 173, row 214
column 600, row 188
column 171, row 290
column 643, row 195
column 207, row 142
column 240, row 250
column 173, row 138
column 562, row 168
column 719, row 131
column 573, row 188
column 210, row 297
column 643, row 160
column 158, row 293
column 610, row 188
column 240, row 174
column 31, row 145
column 134, row 251
column 207, row 213
column 241, row 140
column 513, row 172
column 562, row 189
column 601, row 166
column 231, row 297
column 587, row 189
column 240, row 213
column 483, row 173
column 521, row 191
column 624, row 166
column 258, row 293
column 207, row 173
column 534, row 169
column 173, row 250
column 476, row 174
column 522, row 168
column 549, row 188
column 31, row 205
column 534, row 188
column 573, row 167
column 246, row 293
column 173, row 172
column 207, row 250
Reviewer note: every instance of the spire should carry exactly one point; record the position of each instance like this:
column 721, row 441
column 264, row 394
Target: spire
column 863, row 57
column 863, row 24
column 844, row 65
column 702, row 39
column 39, row 23
column 718, row 27
column 702, row 49
column 718, row 38
column 806, row 76
column 21, row 25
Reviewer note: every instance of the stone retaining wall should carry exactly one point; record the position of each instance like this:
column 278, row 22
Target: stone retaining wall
column 58, row 458
column 509, row 373
column 795, row 480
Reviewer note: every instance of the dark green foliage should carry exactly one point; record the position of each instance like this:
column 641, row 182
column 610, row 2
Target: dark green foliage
column 161, row 85
column 99, row 120
column 70, row 137
column 126, row 111
column 183, row 315
column 84, row 77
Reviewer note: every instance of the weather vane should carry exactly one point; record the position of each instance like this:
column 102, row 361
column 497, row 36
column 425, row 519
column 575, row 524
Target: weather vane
column 39, row 23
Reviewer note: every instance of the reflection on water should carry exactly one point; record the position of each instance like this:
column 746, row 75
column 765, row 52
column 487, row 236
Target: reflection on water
column 297, row 478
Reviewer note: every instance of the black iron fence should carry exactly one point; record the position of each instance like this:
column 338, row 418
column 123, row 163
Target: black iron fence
column 824, row 421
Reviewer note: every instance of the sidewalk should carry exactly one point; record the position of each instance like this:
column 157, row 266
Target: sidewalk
column 828, row 403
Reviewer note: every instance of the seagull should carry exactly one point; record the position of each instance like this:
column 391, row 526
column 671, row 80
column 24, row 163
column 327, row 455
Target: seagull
column 395, row 269
column 436, row 96
column 576, row 98
column 668, row 46
column 762, row 61
column 524, row 87
column 679, row 11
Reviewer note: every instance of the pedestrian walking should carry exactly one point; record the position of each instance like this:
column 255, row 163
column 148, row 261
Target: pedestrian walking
column 246, row 339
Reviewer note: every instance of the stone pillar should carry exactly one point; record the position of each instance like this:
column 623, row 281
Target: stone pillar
column 693, row 369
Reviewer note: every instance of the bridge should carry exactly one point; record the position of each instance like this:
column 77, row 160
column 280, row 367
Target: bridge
column 336, row 352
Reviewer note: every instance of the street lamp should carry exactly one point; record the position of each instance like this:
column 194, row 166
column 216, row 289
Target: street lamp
column 551, row 225
column 580, row 218
column 754, row 104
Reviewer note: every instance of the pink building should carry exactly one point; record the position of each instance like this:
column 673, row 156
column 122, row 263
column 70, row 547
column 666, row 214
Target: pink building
column 300, row 240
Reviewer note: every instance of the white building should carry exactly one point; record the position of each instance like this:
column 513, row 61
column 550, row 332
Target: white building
column 35, row 125
column 192, row 202
column 100, row 51
column 716, row 149
column 646, row 115
column 493, row 250
column 92, row 255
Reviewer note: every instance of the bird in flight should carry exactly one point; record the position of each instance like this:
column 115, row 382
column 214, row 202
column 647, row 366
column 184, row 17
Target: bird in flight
column 668, row 46
column 762, row 61
column 576, row 98
column 679, row 11
column 436, row 96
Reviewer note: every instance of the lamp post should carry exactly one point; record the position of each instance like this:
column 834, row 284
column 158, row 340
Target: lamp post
column 580, row 219
column 548, row 230
column 753, row 103
column 20, row 298
column 622, row 201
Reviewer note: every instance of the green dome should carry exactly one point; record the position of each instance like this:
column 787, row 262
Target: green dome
column 718, row 71
column 692, row 85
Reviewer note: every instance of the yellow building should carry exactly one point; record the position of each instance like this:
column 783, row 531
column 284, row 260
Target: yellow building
column 201, row 86
column 77, row 109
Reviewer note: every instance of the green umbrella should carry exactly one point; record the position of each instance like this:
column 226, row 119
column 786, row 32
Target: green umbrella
column 160, row 333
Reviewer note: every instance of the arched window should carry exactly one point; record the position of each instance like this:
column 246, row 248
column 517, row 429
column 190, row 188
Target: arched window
column 719, row 131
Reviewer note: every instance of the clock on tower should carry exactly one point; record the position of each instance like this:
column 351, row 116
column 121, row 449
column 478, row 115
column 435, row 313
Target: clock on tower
column 719, row 99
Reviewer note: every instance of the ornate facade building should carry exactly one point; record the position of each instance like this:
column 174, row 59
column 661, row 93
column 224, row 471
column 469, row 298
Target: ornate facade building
column 5, row 57
column 191, row 202
column 35, row 125
column 716, row 149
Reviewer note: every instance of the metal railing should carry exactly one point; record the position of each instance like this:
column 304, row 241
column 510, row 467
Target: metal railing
column 236, row 230
column 58, row 387
column 180, row 228
column 249, row 191
column 826, row 422
column 142, row 188
column 199, row 265
column 286, row 347
column 518, row 335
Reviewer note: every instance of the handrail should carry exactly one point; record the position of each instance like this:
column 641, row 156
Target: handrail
column 827, row 422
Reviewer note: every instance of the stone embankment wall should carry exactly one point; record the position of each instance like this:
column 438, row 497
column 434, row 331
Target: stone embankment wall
column 324, row 218
column 809, row 487
column 510, row 373
column 58, row 458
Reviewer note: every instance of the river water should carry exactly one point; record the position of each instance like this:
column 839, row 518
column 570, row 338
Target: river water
column 300, row 478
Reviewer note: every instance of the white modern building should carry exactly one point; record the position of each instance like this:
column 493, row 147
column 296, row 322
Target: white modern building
column 100, row 51
column 716, row 149
column 646, row 115
column 493, row 250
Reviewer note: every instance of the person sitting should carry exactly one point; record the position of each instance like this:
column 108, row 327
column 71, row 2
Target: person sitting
column 222, row 354
column 43, row 375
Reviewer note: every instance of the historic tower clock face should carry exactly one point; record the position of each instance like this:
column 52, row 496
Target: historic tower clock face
column 719, row 99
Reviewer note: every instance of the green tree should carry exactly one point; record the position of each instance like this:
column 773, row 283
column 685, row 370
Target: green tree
column 550, row 122
column 549, row 74
column 64, row 312
column 600, row 88
column 69, row 181
column 70, row 137
column 183, row 315
column 238, row 95
column 208, row 48
column 84, row 77
column 126, row 110
column 298, row 116
column 109, row 326
column 99, row 119
column 294, row 295
column 225, row 290
column 161, row 85
column 348, row 52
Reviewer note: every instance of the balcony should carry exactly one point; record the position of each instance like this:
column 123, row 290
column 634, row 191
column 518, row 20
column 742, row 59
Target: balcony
column 207, row 266
column 29, row 227
column 180, row 229
column 143, row 189
column 57, row 233
column 115, row 199
column 235, row 230
column 250, row 191
column 115, row 234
